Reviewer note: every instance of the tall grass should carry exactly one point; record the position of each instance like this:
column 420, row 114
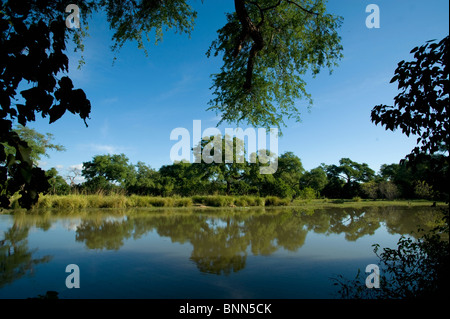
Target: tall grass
column 120, row 201
column 79, row 201
column 228, row 201
column 276, row 201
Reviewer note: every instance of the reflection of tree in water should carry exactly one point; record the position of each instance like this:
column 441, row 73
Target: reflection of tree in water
column 269, row 232
column 220, row 249
column 16, row 258
column 221, row 242
column 354, row 223
column 106, row 234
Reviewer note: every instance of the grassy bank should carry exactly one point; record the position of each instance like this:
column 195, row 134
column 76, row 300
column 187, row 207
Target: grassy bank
column 134, row 201
column 121, row 201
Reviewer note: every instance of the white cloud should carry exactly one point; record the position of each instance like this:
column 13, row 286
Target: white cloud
column 42, row 164
column 76, row 166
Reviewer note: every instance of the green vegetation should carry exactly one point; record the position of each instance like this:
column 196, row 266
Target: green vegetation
column 424, row 179
column 415, row 268
column 266, row 49
column 111, row 181
column 74, row 202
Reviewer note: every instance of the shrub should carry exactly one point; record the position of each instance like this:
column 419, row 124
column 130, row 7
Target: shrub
column 308, row 193
column 183, row 202
column 276, row 201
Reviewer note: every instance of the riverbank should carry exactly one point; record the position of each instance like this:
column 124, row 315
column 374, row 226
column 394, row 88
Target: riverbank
column 77, row 201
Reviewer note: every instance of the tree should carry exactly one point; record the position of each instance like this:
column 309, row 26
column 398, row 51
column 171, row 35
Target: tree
column 315, row 179
column 290, row 170
column 422, row 106
column 429, row 169
column 73, row 173
column 146, row 179
column 267, row 47
column 344, row 180
column 354, row 172
column 32, row 45
column 105, row 171
column 58, row 185
column 37, row 142
column 219, row 165
column 188, row 178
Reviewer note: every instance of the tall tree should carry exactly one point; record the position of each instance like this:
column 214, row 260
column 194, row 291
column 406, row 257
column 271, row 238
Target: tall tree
column 267, row 48
column 344, row 180
column 113, row 169
column 223, row 160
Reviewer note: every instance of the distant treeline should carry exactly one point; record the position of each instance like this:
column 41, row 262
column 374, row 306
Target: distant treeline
column 423, row 178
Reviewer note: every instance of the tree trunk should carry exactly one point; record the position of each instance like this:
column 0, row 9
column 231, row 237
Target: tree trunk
column 248, row 29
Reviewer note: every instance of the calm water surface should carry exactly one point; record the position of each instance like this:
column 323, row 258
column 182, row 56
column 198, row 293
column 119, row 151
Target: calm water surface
column 288, row 253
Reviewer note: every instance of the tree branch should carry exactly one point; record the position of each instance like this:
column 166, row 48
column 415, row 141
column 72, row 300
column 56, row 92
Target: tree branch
column 299, row 6
column 249, row 29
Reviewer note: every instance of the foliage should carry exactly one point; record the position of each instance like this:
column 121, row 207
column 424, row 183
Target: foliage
column 414, row 269
column 32, row 45
column 308, row 193
column 344, row 181
column 267, row 48
column 58, row 184
column 315, row 179
column 423, row 190
column 37, row 142
column 388, row 190
column 422, row 106
column 132, row 21
column 108, row 170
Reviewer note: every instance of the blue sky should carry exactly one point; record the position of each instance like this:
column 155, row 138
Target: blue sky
column 139, row 100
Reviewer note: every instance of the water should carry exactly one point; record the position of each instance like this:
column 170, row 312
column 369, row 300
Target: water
column 287, row 253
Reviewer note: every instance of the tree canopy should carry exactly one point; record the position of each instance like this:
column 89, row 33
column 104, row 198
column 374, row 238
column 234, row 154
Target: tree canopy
column 267, row 47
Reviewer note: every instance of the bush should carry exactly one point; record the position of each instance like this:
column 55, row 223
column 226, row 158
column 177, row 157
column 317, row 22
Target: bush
column 389, row 190
column 276, row 201
column 423, row 190
column 308, row 193
column 183, row 202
